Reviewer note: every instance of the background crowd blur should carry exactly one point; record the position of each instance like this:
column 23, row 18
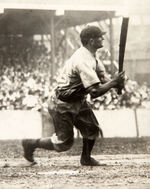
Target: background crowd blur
column 25, row 79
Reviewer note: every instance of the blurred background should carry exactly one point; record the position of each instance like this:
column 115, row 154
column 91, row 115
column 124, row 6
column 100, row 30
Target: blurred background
column 37, row 37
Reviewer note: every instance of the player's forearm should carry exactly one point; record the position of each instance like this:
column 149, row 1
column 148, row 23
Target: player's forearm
column 105, row 80
column 101, row 89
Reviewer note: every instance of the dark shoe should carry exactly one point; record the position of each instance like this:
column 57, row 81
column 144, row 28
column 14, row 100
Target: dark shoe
column 29, row 146
column 90, row 162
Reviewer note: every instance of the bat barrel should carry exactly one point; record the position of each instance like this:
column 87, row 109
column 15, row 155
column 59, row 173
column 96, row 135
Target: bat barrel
column 122, row 45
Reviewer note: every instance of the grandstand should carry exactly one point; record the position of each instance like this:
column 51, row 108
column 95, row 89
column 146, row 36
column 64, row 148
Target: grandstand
column 33, row 49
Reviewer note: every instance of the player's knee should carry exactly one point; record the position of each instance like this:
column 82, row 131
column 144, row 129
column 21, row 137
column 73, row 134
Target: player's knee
column 64, row 146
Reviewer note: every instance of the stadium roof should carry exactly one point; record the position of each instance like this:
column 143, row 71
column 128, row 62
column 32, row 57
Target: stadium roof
column 35, row 19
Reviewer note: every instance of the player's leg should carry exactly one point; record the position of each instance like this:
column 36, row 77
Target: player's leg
column 61, row 140
column 88, row 125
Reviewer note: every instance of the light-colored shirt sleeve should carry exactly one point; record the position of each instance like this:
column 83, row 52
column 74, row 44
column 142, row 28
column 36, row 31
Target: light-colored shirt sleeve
column 87, row 74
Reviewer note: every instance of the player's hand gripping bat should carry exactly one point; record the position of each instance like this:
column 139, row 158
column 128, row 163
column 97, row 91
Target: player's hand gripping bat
column 122, row 45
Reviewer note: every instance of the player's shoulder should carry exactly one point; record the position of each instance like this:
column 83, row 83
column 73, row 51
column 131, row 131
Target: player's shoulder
column 77, row 57
column 79, row 52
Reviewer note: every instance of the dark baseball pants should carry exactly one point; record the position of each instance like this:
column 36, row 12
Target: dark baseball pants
column 67, row 115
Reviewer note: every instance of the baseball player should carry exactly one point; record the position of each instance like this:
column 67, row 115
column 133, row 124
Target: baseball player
column 81, row 75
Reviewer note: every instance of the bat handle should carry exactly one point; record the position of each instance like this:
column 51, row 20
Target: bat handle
column 119, row 92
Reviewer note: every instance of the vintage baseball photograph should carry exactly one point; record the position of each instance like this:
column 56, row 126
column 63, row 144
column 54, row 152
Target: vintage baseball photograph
column 74, row 94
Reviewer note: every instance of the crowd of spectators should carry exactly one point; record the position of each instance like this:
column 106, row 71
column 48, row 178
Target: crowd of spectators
column 24, row 74
column 133, row 96
column 23, row 89
column 25, row 84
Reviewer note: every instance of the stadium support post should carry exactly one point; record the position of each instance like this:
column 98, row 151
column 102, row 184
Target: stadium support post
column 136, row 123
column 111, row 33
column 52, row 45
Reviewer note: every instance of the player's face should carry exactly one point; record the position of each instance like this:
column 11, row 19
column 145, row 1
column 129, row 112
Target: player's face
column 98, row 42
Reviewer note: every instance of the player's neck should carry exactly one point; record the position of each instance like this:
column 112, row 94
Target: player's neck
column 92, row 50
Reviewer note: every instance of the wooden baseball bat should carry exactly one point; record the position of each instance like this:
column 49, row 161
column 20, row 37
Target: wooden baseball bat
column 122, row 45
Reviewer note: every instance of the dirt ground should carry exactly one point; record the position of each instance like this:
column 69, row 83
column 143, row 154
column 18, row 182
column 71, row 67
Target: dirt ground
column 127, row 167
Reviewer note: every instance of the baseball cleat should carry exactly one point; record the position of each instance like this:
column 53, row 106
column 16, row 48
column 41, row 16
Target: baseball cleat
column 28, row 147
column 90, row 162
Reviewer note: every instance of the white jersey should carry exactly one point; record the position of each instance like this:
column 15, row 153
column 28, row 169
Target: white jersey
column 80, row 72
column 80, row 68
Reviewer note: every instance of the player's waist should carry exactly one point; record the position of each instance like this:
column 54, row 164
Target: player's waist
column 69, row 94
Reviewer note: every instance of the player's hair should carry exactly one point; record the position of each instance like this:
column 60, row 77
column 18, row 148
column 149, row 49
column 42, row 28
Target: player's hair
column 90, row 32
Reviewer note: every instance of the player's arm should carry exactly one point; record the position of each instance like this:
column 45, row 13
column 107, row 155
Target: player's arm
column 101, row 72
column 92, row 82
column 99, row 89
column 104, row 78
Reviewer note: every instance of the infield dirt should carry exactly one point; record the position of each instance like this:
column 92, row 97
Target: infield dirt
column 128, row 167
